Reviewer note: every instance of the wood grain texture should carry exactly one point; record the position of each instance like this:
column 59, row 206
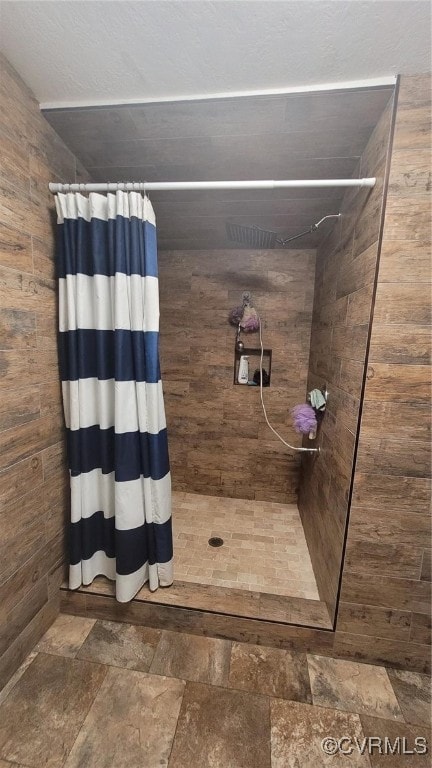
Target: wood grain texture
column 345, row 273
column 386, row 591
column 386, row 578
column 374, row 557
column 405, row 262
column 404, row 304
column 33, row 503
column 390, row 492
column 401, row 344
column 399, row 383
column 400, row 654
column 396, row 653
column 396, row 421
column 372, row 620
column 387, row 562
column 219, row 442
column 233, row 601
column 391, row 527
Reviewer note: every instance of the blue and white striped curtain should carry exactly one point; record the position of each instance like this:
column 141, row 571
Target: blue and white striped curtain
column 112, row 392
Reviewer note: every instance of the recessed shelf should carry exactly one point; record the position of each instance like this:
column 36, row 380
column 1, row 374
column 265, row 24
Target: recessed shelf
column 253, row 353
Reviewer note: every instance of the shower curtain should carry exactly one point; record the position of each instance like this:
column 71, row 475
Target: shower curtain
column 112, row 392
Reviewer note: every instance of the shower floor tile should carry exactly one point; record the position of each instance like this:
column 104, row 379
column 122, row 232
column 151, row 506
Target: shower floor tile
column 264, row 546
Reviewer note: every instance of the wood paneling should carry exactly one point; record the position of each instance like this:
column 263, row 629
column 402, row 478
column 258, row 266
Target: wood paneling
column 395, row 653
column 369, row 556
column 421, row 629
column 371, row 620
column 345, row 273
column 390, row 457
column 235, row 602
column 31, row 426
column 405, row 261
column 400, row 382
column 390, row 492
column 385, row 591
column 388, row 548
column 426, row 566
column 402, row 345
column 408, row 218
column 219, row 442
column 319, row 135
column 404, row 304
column 392, row 526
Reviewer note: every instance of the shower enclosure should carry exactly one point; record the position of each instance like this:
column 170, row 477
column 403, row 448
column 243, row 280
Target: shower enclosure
column 282, row 515
column 279, row 517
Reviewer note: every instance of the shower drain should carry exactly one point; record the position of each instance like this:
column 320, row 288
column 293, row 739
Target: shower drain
column 215, row 541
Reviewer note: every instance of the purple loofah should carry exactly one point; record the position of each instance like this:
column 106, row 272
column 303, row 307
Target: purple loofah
column 236, row 315
column 250, row 325
column 304, row 419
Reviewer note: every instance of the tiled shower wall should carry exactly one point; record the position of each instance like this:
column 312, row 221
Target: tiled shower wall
column 33, row 478
column 219, row 442
column 386, row 588
column 345, row 274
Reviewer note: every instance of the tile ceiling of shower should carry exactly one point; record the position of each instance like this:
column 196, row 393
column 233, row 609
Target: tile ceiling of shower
column 317, row 135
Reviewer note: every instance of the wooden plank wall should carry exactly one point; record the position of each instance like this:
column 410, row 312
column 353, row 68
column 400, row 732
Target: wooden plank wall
column 219, row 442
column 386, row 589
column 33, row 478
column 345, row 274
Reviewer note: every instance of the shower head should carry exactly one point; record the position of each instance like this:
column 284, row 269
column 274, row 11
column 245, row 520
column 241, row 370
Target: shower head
column 255, row 237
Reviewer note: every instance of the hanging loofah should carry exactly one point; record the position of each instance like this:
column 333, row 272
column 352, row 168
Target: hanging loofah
column 245, row 316
column 304, row 419
column 235, row 316
column 250, row 319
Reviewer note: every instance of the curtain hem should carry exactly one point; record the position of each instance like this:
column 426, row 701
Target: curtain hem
column 126, row 586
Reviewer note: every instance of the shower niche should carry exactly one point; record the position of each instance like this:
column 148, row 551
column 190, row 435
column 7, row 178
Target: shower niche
column 254, row 356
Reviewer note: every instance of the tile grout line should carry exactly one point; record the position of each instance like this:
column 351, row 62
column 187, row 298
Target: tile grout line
column 177, row 721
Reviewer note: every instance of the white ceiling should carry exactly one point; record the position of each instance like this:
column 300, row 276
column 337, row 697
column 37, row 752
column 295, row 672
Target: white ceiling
column 93, row 52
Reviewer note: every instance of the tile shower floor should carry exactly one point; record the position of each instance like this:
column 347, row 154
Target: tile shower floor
column 264, row 546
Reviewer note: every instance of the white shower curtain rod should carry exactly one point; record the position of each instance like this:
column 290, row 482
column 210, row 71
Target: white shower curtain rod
column 150, row 186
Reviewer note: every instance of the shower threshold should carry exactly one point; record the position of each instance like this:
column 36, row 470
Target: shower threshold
column 98, row 601
column 261, row 571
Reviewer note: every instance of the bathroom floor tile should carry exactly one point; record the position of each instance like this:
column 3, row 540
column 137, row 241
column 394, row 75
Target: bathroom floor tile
column 5, row 764
column 62, row 712
column 191, row 657
column 270, row 671
column 221, row 728
column 131, row 723
column 66, row 636
column 264, row 545
column 41, row 717
column 4, row 692
column 354, row 687
column 413, row 692
column 297, row 731
column 121, row 645
column 395, row 732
